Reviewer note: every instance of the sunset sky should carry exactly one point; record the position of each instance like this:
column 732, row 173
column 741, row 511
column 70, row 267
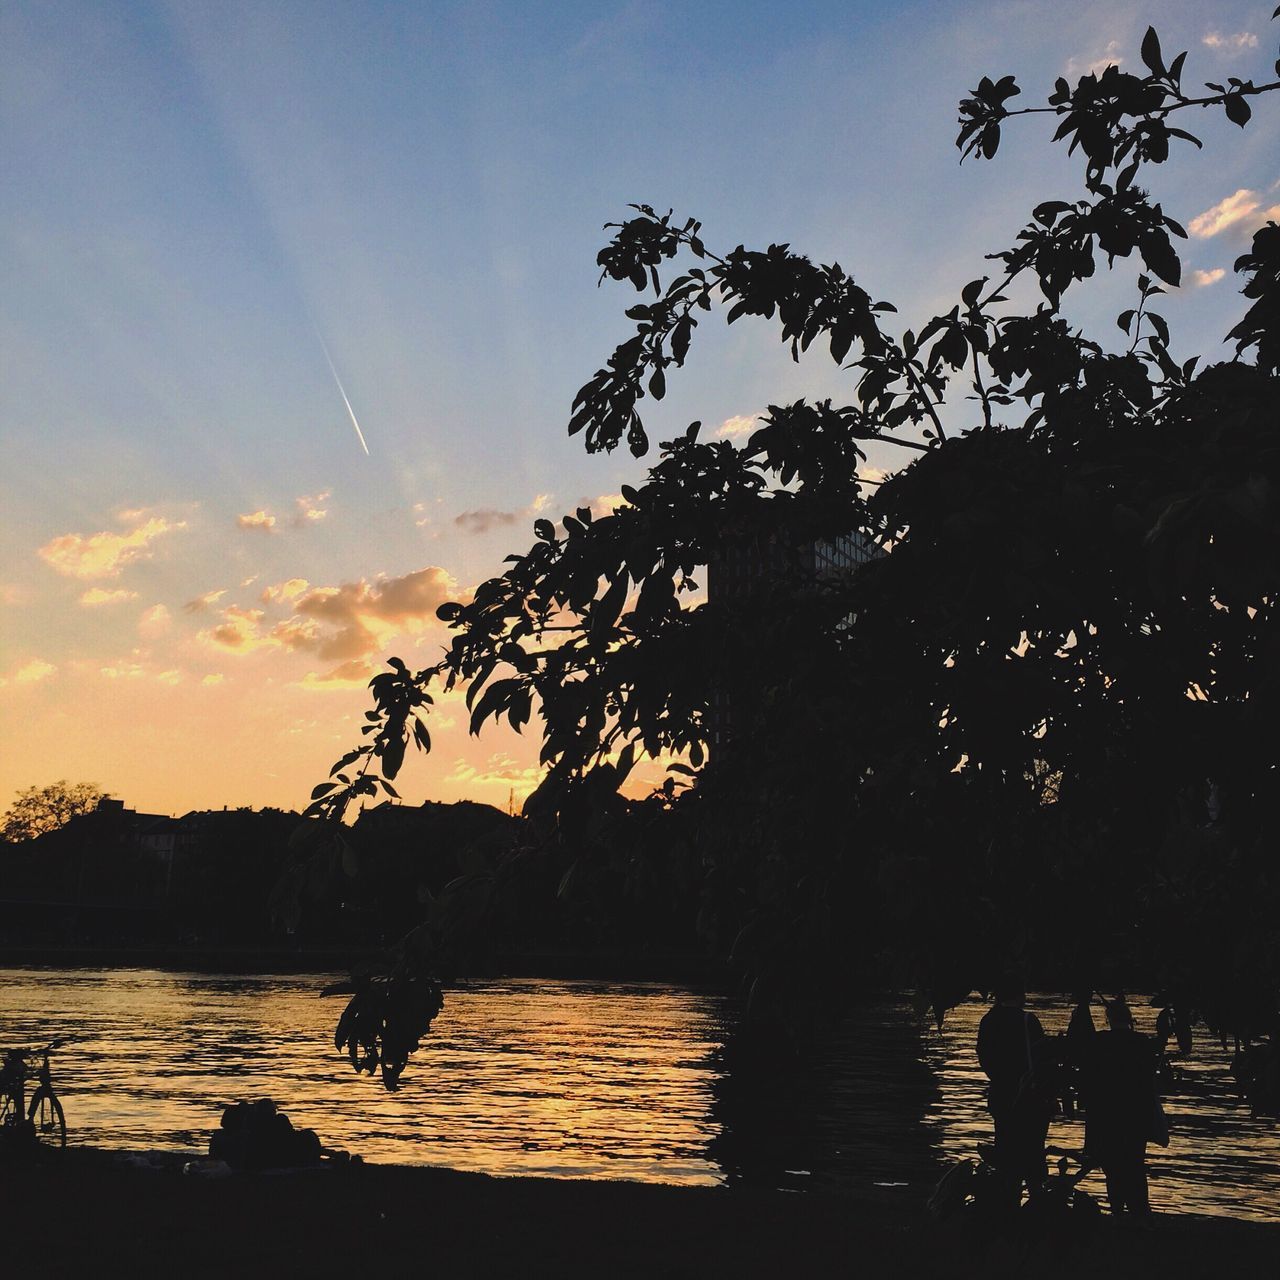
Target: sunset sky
column 200, row 566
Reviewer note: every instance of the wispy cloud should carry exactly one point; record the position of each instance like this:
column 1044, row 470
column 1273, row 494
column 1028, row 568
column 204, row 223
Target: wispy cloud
column 489, row 518
column 1242, row 209
column 499, row 770
column 206, row 601
column 735, row 428
column 104, row 554
column 258, row 521
column 485, row 519
column 1200, row 279
column 1236, row 43
column 214, row 677
column 1094, row 64
column 347, row 675
column 154, row 622
column 96, row 596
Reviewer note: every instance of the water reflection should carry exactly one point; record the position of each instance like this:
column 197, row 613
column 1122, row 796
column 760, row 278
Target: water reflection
column 578, row 1079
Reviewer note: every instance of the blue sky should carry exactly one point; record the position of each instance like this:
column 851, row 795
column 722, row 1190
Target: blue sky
column 197, row 191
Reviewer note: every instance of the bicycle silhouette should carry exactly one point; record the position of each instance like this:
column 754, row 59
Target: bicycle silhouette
column 41, row 1121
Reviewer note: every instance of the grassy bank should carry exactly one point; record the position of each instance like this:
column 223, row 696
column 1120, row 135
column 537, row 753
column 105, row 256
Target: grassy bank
column 89, row 1213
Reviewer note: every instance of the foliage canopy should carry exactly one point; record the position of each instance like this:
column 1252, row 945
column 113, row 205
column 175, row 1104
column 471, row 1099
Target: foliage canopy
column 1037, row 730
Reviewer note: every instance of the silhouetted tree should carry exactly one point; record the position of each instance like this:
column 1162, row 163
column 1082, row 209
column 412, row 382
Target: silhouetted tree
column 41, row 809
column 1039, row 727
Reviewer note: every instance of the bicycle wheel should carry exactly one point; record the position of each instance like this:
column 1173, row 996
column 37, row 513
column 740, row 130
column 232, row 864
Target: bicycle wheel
column 47, row 1120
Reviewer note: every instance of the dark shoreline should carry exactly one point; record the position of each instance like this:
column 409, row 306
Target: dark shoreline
column 89, row 1212
column 602, row 966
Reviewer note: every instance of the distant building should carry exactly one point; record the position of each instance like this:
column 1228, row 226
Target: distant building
column 749, row 566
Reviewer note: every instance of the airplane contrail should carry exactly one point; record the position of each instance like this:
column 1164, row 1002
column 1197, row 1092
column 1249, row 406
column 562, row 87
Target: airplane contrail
column 342, row 392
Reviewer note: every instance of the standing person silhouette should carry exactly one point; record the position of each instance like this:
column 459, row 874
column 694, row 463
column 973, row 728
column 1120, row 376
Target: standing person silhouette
column 1120, row 1100
column 1011, row 1045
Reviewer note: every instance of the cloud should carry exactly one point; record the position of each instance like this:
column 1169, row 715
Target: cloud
column 340, row 623
column 123, row 671
column 262, row 521
column 309, row 510
column 214, row 677
column 154, row 621
column 736, row 427
column 284, row 592
column 240, row 631
column 10, row 594
column 105, row 554
column 499, row 770
column 362, row 616
column 489, row 518
column 34, row 671
column 1236, row 43
column 1110, row 57
column 1242, row 209
column 98, row 595
column 170, row 677
column 1202, row 278
column 484, row 520
column 347, row 675
column 206, row 601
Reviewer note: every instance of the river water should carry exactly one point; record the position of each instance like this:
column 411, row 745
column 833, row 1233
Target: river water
column 581, row 1079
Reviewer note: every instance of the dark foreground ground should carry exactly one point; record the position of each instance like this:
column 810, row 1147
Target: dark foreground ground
column 86, row 1214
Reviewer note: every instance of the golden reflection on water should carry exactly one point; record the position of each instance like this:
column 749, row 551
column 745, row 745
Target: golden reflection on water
column 520, row 1077
column 1219, row 1160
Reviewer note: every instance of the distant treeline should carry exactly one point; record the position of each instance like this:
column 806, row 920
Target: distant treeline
column 245, row 878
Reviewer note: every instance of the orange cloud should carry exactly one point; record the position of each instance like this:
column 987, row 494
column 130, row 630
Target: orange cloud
column 340, row 624
column 240, row 631
column 363, row 616
column 262, row 521
column 105, row 554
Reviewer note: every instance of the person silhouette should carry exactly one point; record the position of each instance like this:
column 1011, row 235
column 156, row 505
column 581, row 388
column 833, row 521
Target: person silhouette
column 1119, row 1084
column 1011, row 1046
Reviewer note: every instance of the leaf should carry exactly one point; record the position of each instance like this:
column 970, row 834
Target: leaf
column 1125, row 319
column 543, row 529
column 1237, row 109
column 658, row 384
column 322, row 790
column 1151, row 52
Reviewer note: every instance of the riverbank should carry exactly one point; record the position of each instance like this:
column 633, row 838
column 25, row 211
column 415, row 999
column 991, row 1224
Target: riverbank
column 92, row 1212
